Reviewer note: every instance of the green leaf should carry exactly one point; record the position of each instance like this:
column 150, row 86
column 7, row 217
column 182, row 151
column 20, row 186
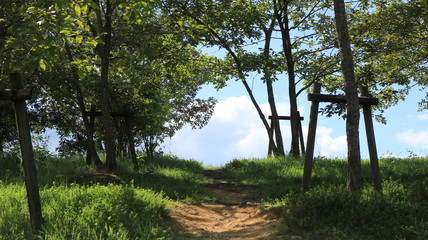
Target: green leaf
column 93, row 43
column 80, row 23
column 78, row 10
column 79, row 39
column 42, row 64
column 65, row 31
column 84, row 9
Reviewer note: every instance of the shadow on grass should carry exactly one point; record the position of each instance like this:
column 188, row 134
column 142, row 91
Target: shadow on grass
column 176, row 178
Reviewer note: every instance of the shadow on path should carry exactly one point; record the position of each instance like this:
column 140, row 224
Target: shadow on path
column 233, row 216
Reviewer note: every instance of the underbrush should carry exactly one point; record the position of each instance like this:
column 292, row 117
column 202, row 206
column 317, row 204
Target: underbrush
column 85, row 212
column 328, row 210
column 79, row 202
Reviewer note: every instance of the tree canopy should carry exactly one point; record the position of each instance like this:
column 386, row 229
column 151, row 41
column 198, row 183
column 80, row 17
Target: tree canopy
column 146, row 58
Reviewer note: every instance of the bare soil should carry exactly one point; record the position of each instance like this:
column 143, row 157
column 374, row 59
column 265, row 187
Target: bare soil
column 234, row 216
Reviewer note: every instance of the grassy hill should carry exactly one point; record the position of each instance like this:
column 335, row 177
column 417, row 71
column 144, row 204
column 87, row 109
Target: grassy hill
column 328, row 211
column 81, row 203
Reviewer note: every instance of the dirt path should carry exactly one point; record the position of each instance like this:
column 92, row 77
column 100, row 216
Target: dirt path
column 234, row 216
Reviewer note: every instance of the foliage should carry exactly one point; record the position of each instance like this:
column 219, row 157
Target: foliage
column 388, row 42
column 152, row 72
column 86, row 212
column 82, row 203
column 328, row 211
column 11, row 167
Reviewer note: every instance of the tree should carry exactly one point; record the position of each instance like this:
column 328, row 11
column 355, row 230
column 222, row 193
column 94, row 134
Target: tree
column 151, row 70
column 282, row 16
column 352, row 102
column 158, row 77
column 388, row 45
column 390, row 42
column 251, row 23
column 208, row 24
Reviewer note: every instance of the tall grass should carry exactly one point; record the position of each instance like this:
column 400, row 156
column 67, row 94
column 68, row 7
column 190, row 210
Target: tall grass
column 86, row 212
column 81, row 203
column 328, row 211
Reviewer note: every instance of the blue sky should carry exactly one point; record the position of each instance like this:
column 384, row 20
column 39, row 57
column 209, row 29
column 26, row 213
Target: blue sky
column 235, row 130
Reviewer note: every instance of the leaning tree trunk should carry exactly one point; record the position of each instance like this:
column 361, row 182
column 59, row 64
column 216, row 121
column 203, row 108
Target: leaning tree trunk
column 271, row 98
column 351, row 90
column 92, row 152
column 241, row 75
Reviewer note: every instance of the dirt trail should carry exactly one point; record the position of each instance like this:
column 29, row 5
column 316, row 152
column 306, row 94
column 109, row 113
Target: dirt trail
column 234, row 216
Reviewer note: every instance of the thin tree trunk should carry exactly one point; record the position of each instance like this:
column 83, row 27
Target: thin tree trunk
column 130, row 137
column 261, row 115
column 271, row 98
column 104, row 50
column 351, row 90
column 224, row 44
column 282, row 17
column 91, row 150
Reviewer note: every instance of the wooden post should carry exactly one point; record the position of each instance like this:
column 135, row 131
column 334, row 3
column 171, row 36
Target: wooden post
column 302, row 140
column 27, row 154
column 270, row 148
column 374, row 163
column 310, row 145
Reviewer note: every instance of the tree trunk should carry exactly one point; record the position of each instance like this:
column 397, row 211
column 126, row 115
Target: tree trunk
column 130, row 137
column 225, row 45
column 282, row 17
column 271, row 98
column 91, row 150
column 104, row 52
column 261, row 115
column 351, row 90
column 250, row 93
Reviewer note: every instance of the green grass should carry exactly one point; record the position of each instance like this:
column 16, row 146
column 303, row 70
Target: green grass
column 328, row 211
column 86, row 212
column 81, row 203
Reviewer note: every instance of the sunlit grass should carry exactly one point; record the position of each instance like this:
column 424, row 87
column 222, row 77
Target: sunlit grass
column 86, row 212
column 80, row 202
column 328, row 210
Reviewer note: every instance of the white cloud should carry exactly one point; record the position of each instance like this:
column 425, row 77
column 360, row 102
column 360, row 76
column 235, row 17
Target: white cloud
column 414, row 138
column 253, row 144
column 423, row 116
column 231, row 109
column 236, row 131
column 328, row 146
